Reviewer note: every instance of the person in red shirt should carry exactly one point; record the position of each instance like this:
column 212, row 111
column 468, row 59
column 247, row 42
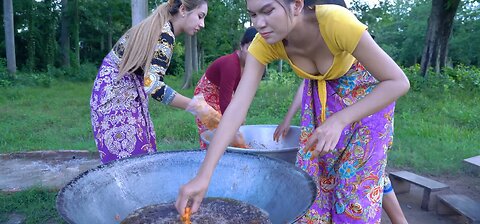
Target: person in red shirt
column 221, row 79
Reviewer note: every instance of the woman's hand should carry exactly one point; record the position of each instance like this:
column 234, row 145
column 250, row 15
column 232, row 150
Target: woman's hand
column 191, row 194
column 325, row 137
column 205, row 113
column 281, row 130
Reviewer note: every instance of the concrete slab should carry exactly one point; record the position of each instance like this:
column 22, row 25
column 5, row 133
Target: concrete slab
column 49, row 169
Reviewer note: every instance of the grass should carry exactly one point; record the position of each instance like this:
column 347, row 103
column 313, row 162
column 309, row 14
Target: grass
column 37, row 204
column 434, row 130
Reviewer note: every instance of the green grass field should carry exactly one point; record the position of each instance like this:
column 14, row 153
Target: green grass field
column 434, row 130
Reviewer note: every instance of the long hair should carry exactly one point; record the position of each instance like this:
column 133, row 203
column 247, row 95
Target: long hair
column 143, row 36
column 310, row 3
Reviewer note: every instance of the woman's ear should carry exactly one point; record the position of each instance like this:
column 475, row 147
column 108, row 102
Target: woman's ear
column 297, row 7
column 182, row 10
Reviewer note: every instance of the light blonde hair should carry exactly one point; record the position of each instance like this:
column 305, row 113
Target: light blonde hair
column 143, row 36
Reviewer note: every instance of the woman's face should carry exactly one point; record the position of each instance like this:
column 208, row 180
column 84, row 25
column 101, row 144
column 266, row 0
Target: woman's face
column 195, row 19
column 270, row 19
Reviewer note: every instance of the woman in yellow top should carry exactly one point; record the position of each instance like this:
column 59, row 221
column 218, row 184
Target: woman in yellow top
column 347, row 108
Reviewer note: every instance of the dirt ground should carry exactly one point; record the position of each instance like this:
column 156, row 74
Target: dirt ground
column 410, row 202
column 53, row 169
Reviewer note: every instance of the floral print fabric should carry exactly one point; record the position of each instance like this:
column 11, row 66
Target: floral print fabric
column 350, row 178
column 121, row 122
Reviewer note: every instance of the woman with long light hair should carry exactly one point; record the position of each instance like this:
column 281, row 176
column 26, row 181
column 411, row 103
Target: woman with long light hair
column 133, row 70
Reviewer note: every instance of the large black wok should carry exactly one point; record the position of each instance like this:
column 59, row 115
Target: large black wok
column 110, row 192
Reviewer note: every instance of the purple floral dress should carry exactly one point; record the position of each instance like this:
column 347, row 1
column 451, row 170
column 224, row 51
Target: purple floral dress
column 121, row 123
column 350, row 179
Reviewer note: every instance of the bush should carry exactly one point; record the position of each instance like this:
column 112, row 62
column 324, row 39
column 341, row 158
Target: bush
column 5, row 78
column 288, row 79
column 463, row 77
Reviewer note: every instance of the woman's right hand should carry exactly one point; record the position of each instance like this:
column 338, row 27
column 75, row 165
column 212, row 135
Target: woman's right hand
column 281, row 130
column 193, row 191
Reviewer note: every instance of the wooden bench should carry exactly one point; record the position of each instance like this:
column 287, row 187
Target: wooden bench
column 449, row 204
column 473, row 165
column 401, row 181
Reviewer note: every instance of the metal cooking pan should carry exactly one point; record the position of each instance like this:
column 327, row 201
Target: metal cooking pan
column 260, row 140
column 110, row 192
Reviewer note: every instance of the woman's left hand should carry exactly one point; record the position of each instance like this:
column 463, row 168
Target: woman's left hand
column 325, row 137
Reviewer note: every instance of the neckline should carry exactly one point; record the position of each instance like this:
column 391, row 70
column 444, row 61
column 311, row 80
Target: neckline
column 328, row 47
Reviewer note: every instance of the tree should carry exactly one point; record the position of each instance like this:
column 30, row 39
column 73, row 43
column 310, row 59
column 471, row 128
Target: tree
column 65, row 34
column 191, row 60
column 195, row 53
column 76, row 33
column 439, row 30
column 9, row 36
column 187, row 78
column 139, row 11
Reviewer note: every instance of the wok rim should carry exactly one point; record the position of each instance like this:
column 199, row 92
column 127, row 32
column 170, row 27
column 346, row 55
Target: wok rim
column 60, row 200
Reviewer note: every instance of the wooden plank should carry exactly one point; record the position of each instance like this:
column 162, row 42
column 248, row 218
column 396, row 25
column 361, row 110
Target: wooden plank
column 473, row 165
column 424, row 182
column 474, row 161
column 463, row 205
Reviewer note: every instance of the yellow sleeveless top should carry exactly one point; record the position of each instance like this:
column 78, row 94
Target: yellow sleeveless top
column 340, row 30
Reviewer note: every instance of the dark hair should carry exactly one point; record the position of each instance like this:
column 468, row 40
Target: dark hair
column 323, row 2
column 248, row 35
column 309, row 4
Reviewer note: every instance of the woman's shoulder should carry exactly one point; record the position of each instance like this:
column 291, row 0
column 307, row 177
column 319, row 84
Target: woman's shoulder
column 329, row 13
column 168, row 30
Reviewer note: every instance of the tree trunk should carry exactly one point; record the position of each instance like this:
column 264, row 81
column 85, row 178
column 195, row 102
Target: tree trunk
column 440, row 23
column 9, row 36
column 32, row 39
column 110, row 32
column 65, row 35
column 50, row 37
column 187, row 78
column 202, row 59
column 446, row 32
column 139, row 11
column 76, row 34
column 195, row 53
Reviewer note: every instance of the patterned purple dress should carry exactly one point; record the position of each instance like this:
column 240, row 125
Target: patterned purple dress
column 121, row 123
column 350, row 178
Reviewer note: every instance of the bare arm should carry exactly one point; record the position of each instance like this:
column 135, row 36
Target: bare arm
column 180, row 101
column 231, row 121
column 283, row 128
column 393, row 84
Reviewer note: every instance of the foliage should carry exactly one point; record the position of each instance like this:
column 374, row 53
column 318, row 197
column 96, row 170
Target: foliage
column 465, row 44
column 286, row 78
column 400, row 27
column 224, row 27
column 461, row 77
column 5, row 78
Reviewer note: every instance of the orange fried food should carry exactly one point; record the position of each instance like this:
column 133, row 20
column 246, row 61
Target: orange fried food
column 239, row 142
column 186, row 216
column 210, row 119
